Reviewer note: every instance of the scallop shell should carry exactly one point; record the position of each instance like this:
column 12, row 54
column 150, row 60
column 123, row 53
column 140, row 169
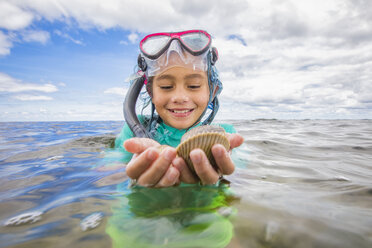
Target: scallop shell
column 203, row 137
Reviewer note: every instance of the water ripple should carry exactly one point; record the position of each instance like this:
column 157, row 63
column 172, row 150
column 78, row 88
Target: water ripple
column 298, row 183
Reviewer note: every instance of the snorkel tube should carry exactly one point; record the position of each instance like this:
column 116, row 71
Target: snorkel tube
column 129, row 109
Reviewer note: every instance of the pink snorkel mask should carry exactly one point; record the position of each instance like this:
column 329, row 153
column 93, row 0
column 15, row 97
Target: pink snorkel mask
column 161, row 51
column 196, row 42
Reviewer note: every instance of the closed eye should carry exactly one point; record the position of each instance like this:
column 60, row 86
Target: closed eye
column 194, row 86
column 167, row 87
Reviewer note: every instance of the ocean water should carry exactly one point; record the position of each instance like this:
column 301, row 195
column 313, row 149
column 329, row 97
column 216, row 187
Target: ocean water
column 298, row 183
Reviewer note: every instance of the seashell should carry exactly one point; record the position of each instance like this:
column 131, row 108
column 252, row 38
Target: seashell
column 203, row 137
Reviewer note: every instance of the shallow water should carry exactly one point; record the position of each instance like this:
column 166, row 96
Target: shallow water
column 298, row 183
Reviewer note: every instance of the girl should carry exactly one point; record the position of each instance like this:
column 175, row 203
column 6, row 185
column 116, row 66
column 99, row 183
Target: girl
column 182, row 82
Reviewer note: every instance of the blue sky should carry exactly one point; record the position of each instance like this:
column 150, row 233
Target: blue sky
column 69, row 60
column 81, row 67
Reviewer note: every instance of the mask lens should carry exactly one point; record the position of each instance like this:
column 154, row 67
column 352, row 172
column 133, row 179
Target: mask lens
column 195, row 41
column 155, row 44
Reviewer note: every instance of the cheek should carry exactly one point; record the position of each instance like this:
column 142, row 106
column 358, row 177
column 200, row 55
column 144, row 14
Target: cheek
column 154, row 97
column 159, row 101
column 155, row 101
column 203, row 98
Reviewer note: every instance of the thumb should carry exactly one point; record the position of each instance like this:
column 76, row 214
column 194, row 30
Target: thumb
column 235, row 140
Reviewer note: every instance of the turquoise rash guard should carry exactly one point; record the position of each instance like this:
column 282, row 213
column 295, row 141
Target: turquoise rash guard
column 164, row 134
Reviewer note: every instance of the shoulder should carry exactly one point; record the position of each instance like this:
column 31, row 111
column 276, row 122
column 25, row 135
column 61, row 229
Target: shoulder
column 228, row 127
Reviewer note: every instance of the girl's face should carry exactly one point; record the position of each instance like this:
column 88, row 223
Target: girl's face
column 180, row 96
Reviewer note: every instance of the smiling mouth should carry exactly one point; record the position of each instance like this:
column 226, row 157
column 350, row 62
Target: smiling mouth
column 181, row 111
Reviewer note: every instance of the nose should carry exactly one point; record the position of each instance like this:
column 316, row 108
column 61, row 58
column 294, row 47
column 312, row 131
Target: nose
column 180, row 96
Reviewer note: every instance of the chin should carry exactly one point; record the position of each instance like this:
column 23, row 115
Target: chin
column 181, row 126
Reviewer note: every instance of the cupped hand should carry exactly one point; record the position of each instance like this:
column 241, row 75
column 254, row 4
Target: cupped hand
column 205, row 172
column 149, row 166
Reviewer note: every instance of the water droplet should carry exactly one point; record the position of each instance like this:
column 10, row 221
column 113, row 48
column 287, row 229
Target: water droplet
column 271, row 229
column 24, row 218
column 342, row 178
column 54, row 158
column 91, row 221
column 225, row 211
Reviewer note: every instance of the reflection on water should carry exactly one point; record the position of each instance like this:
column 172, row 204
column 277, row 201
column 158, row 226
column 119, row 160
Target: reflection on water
column 185, row 216
column 297, row 184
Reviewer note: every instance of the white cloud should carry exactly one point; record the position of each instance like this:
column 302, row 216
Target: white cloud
column 123, row 42
column 43, row 110
column 36, row 36
column 117, row 91
column 10, row 84
column 251, row 19
column 70, row 111
column 289, row 55
column 13, row 17
column 26, row 97
column 68, row 37
column 5, row 44
column 133, row 37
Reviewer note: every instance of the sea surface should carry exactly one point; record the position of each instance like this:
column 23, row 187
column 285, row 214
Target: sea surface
column 297, row 183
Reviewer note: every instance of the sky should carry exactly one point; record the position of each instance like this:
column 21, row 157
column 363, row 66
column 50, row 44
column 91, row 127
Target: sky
column 70, row 60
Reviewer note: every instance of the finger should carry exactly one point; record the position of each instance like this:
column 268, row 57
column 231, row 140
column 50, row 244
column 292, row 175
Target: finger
column 138, row 145
column 139, row 165
column 203, row 168
column 186, row 175
column 169, row 179
column 223, row 159
column 235, row 140
column 158, row 168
